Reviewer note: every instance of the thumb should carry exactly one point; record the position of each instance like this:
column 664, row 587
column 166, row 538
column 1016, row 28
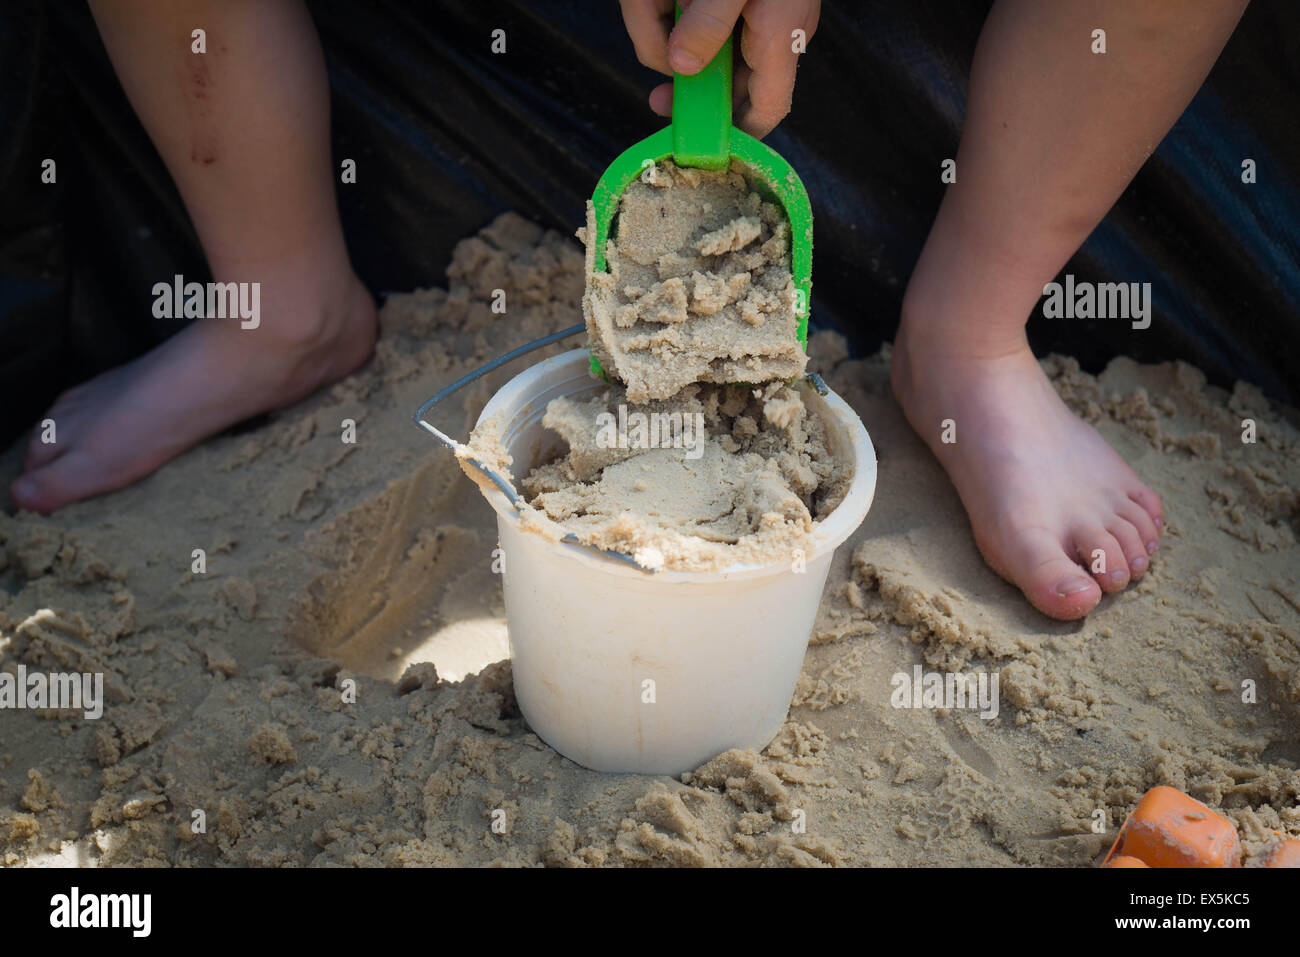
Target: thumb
column 700, row 33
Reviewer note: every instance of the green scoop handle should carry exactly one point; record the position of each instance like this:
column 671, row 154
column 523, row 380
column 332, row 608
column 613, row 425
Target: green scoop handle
column 702, row 114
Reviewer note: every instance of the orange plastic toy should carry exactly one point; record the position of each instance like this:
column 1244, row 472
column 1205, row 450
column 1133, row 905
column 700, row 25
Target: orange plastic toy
column 1286, row 854
column 1122, row 861
column 1170, row 829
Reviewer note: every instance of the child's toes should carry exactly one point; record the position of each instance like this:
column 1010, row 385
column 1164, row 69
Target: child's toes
column 1150, row 503
column 1141, row 520
column 1052, row 581
column 40, row 451
column 70, row 477
column 1102, row 555
column 1131, row 544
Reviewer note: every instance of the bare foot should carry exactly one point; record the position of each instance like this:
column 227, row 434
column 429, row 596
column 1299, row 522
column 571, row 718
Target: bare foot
column 1054, row 509
column 124, row 424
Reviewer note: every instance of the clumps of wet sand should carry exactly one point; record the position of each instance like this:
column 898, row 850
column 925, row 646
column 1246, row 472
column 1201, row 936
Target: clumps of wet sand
column 697, row 286
column 323, row 694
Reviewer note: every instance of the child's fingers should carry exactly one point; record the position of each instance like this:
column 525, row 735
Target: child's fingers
column 765, row 70
column 770, row 94
column 648, row 22
column 661, row 99
column 740, row 90
column 700, row 33
column 769, row 46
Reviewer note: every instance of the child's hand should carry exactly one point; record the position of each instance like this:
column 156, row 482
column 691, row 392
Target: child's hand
column 765, row 69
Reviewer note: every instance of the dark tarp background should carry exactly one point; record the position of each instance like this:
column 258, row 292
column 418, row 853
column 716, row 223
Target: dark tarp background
column 446, row 135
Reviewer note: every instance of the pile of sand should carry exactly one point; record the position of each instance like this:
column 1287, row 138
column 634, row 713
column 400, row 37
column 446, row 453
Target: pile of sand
column 287, row 692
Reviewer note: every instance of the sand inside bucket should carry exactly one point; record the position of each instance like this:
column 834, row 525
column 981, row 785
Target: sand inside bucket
column 714, row 476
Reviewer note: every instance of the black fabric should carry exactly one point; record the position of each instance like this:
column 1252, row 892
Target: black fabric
column 447, row 134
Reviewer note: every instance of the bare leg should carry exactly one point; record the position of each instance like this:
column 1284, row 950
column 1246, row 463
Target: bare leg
column 1053, row 134
column 244, row 131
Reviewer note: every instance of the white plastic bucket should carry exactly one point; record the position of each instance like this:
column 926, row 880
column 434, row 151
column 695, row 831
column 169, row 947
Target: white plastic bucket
column 621, row 670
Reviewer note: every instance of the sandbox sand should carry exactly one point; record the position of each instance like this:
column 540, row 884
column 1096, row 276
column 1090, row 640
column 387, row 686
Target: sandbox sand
column 333, row 565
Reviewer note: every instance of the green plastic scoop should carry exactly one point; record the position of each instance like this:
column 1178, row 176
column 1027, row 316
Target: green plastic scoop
column 701, row 135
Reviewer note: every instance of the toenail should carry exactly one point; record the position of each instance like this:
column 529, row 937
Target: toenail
column 1072, row 586
column 1151, row 548
column 1117, row 576
column 1138, row 564
column 1159, row 523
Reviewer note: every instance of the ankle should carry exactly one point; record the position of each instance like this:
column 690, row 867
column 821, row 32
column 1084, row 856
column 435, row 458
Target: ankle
column 933, row 356
column 306, row 312
column 932, row 340
column 966, row 300
column 308, row 293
